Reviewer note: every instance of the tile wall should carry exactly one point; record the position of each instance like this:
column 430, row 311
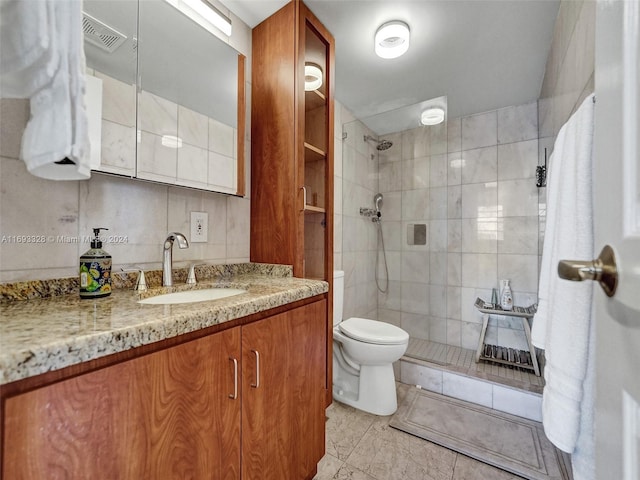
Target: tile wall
column 139, row 214
column 568, row 79
column 359, row 234
column 569, row 73
column 472, row 182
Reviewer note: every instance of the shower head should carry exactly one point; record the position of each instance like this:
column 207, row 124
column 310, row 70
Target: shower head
column 377, row 200
column 380, row 145
column 384, row 145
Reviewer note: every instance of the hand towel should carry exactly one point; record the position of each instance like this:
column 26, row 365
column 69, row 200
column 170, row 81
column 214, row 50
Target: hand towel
column 562, row 324
column 28, row 53
column 55, row 143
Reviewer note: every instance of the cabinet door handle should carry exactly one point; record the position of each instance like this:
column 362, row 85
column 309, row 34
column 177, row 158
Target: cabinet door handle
column 304, row 198
column 257, row 384
column 234, row 395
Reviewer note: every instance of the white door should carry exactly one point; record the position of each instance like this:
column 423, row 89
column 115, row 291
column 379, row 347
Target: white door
column 617, row 223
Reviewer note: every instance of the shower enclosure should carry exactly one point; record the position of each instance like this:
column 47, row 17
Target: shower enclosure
column 394, row 224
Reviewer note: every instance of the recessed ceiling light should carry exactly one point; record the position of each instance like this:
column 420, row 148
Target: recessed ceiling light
column 312, row 77
column 392, row 39
column 432, row 116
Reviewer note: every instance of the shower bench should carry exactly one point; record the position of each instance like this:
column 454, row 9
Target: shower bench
column 507, row 356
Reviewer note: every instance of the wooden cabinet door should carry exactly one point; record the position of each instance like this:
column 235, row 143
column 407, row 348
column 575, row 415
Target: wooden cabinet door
column 166, row 415
column 283, row 382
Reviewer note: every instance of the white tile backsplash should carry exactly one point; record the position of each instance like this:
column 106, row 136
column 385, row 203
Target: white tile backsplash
column 119, row 100
column 41, row 210
column 157, row 115
column 192, row 166
column 118, row 148
column 193, row 127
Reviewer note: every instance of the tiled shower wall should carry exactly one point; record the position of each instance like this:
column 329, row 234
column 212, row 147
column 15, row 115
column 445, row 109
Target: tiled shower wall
column 569, row 74
column 140, row 213
column 359, row 233
column 472, row 183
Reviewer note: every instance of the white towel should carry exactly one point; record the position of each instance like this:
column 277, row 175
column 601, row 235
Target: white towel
column 55, row 143
column 562, row 325
column 28, row 50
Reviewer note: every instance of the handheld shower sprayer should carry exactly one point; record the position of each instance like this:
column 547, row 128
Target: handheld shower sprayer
column 377, row 200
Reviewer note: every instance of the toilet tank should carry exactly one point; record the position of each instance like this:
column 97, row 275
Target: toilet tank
column 338, row 296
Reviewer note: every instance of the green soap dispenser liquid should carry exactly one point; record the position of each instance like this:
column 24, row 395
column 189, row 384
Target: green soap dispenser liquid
column 95, row 269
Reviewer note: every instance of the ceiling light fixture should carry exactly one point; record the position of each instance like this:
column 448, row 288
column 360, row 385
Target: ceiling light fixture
column 432, row 116
column 312, row 77
column 392, row 39
column 204, row 14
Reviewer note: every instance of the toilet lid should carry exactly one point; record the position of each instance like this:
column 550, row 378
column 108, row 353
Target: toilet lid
column 372, row 331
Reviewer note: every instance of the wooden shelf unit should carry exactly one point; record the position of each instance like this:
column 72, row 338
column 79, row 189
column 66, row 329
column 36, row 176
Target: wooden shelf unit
column 292, row 146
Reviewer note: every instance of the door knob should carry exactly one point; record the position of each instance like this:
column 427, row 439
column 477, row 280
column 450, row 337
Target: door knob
column 603, row 269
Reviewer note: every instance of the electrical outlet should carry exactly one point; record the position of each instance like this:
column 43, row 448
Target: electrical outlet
column 199, row 227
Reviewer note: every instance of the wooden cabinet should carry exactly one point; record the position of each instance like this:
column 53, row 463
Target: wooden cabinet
column 283, row 385
column 246, row 402
column 292, row 143
column 166, row 415
column 292, row 149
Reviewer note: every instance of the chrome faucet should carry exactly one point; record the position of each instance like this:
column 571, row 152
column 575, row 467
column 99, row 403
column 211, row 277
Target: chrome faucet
column 167, row 260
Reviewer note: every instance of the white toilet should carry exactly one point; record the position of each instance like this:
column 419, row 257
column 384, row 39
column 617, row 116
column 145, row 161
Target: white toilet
column 363, row 354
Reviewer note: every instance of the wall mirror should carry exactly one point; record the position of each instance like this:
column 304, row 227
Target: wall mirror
column 172, row 96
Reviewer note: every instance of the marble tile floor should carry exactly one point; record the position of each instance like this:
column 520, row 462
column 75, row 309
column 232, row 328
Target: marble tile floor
column 361, row 446
column 462, row 360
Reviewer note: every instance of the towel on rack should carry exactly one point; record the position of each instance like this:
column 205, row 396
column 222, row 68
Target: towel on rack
column 563, row 322
column 55, row 143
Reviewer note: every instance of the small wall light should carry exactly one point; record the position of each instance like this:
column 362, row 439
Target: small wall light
column 432, row 116
column 392, row 39
column 312, row 77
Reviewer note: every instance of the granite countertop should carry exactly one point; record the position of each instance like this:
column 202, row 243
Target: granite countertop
column 44, row 334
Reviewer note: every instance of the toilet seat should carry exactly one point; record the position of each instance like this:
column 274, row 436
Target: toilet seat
column 373, row 331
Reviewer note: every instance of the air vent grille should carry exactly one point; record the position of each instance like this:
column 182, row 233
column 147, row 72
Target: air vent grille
column 100, row 34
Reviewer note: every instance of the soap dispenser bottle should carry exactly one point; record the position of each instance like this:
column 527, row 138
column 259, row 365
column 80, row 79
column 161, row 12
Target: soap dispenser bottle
column 95, row 269
column 506, row 299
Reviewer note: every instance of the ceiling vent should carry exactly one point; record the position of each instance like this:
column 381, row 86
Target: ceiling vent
column 100, row 34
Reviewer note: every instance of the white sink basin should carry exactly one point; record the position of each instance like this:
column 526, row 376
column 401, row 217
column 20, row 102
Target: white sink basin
column 191, row 296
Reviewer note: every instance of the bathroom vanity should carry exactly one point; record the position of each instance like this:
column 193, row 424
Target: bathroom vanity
column 111, row 388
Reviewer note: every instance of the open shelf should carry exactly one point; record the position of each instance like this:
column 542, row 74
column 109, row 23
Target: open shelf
column 313, row 209
column 314, row 99
column 313, row 154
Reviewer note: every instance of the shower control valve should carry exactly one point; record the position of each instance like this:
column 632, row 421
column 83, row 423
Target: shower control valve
column 367, row 212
